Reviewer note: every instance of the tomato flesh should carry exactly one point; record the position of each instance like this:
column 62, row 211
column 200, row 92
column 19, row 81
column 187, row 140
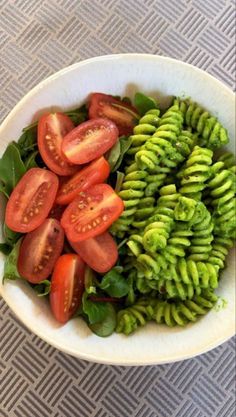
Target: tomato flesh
column 89, row 140
column 52, row 127
column 31, row 200
column 96, row 172
column 67, row 286
column 39, row 251
column 91, row 213
column 123, row 115
column 99, row 252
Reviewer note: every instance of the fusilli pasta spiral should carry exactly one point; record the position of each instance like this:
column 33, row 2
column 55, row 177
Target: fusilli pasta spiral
column 213, row 134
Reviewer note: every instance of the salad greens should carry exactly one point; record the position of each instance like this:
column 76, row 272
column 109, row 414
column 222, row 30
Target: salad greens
column 78, row 115
column 10, row 266
column 27, row 143
column 118, row 151
column 5, row 248
column 144, row 103
column 12, row 169
column 106, row 326
column 114, row 284
column 42, row 288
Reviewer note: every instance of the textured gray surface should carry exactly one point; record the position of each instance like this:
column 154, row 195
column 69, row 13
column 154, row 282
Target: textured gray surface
column 37, row 38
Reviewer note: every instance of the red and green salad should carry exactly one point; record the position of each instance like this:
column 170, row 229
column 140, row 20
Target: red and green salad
column 114, row 213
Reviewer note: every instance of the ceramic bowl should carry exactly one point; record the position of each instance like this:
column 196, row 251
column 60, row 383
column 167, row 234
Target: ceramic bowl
column 123, row 75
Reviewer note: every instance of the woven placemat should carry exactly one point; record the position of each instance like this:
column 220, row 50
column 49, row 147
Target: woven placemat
column 37, row 38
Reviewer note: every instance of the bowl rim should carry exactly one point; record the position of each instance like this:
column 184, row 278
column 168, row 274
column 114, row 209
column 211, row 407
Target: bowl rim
column 71, row 67
column 82, row 355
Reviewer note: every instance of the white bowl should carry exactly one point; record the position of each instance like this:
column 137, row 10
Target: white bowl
column 123, row 75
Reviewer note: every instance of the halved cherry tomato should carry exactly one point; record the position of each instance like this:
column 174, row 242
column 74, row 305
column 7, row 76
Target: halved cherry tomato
column 52, row 127
column 91, row 213
column 39, row 251
column 94, row 173
column 89, row 140
column 123, row 115
column 99, row 252
column 67, row 286
column 31, row 200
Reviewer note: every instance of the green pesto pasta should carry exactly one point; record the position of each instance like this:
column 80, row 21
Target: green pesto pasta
column 223, row 201
column 179, row 313
column 195, row 173
column 159, row 154
column 179, row 219
column 146, row 127
column 211, row 133
column 134, row 316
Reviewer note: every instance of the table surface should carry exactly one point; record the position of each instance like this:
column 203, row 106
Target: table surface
column 37, row 38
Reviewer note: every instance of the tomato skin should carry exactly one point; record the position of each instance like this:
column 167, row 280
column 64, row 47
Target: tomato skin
column 31, row 200
column 94, row 173
column 123, row 115
column 39, row 251
column 91, row 213
column 52, row 127
column 100, row 252
column 89, row 140
column 67, row 286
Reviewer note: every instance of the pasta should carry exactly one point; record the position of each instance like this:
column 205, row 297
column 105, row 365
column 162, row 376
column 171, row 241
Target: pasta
column 212, row 134
column 181, row 312
column 159, row 153
column 223, row 201
column 134, row 182
column 180, row 216
column 142, row 132
column 130, row 318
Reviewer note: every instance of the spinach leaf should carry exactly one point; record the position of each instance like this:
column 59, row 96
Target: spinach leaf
column 119, row 181
column 96, row 311
column 118, row 151
column 10, row 236
column 10, row 267
column 5, row 248
column 11, row 168
column 28, row 140
column 78, row 115
column 43, row 288
column 118, row 268
column 125, row 143
column 30, row 162
column 114, row 155
column 144, row 103
column 3, row 190
column 114, row 284
column 107, row 326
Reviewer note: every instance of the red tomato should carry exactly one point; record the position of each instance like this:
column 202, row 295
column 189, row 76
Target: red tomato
column 96, row 172
column 99, row 252
column 67, row 286
column 31, row 200
column 123, row 115
column 39, row 251
column 89, row 140
column 52, row 127
column 91, row 213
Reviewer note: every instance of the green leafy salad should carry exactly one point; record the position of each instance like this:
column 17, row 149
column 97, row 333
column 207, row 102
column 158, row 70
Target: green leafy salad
column 120, row 213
